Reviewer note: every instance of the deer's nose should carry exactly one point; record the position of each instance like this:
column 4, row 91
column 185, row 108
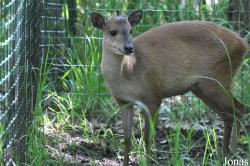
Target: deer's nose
column 128, row 48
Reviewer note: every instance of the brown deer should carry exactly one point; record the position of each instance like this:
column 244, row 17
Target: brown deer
column 169, row 60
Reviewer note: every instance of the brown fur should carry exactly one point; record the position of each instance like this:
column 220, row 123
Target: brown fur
column 170, row 60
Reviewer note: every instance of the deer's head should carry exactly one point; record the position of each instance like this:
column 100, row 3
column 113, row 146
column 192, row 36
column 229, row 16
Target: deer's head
column 117, row 31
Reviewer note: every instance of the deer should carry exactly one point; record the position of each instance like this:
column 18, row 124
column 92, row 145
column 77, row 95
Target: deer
column 169, row 60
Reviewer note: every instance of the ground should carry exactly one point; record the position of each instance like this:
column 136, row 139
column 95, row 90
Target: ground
column 70, row 147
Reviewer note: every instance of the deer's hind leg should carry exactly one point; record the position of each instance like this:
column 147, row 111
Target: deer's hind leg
column 221, row 101
column 242, row 109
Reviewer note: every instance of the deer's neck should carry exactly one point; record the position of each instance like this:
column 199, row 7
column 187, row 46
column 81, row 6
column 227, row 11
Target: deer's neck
column 111, row 65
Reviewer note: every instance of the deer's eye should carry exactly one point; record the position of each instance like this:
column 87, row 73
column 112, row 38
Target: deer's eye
column 131, row 31
column 113, row 33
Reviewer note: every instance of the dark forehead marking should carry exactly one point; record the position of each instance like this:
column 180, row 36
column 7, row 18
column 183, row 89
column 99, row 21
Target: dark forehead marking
column 121, row 20
column 118, row 20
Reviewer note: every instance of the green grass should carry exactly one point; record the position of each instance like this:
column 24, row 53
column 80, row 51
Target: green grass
column 77, row 102
column 1, row 141
column 36, row 152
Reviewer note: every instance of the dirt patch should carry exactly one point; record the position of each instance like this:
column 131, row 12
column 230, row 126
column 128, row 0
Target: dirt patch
column 71, row 147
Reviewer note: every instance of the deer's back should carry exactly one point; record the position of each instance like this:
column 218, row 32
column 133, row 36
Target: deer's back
column 179, row 51
column 174, row 54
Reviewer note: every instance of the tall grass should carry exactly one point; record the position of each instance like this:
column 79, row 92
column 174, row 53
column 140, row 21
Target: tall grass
column 36, row 152
column 78, row 94
column 1, row 141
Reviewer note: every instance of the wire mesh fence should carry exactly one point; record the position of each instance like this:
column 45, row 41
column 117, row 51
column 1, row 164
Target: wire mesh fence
column 61, row 30
column 18, row 54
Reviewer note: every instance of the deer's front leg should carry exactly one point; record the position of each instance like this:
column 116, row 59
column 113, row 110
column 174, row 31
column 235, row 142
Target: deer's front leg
column 127, row 121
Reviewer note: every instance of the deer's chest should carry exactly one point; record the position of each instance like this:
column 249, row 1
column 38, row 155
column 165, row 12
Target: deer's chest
column 119, row 86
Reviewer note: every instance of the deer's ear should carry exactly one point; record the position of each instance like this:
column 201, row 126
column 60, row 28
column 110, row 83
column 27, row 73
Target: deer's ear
column 98, row 20
column 135, row 17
